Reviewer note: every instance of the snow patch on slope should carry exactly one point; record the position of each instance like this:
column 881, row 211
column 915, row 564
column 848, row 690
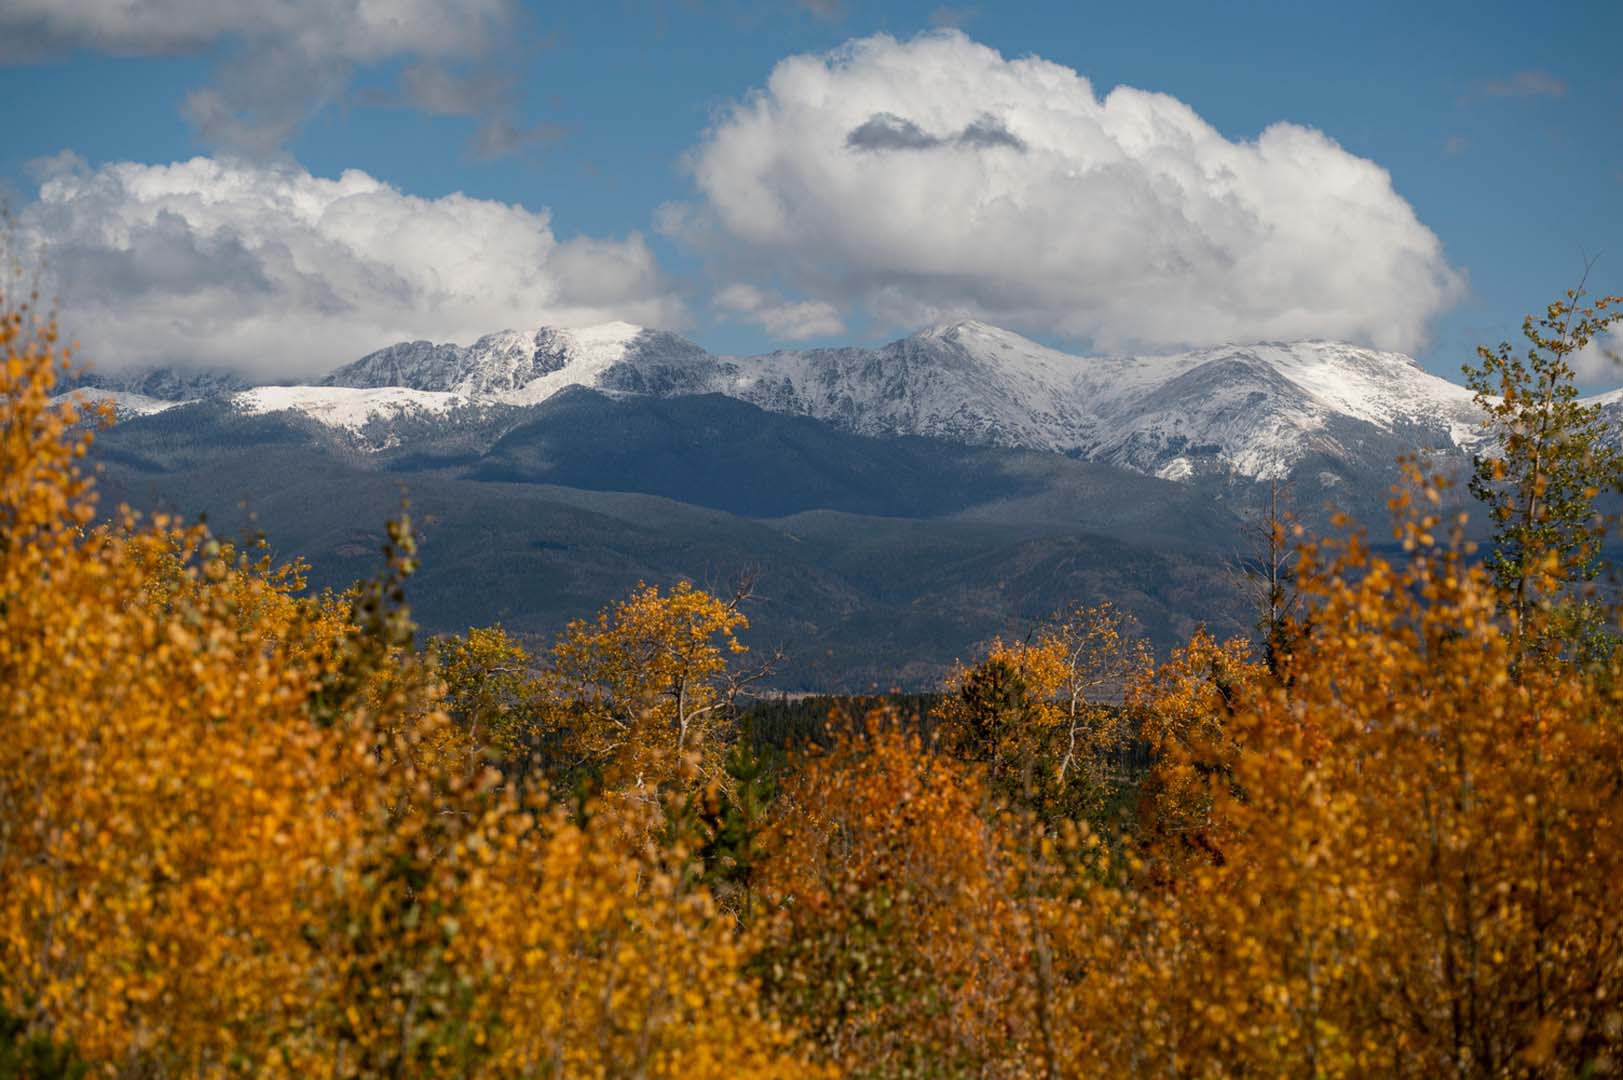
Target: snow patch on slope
column 1606, row 400
column 1378, row 387
column 1178, row 468
column 126, row 405
column 344, row 407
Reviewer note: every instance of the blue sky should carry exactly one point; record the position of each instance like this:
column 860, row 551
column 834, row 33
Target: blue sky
column 1500, row 125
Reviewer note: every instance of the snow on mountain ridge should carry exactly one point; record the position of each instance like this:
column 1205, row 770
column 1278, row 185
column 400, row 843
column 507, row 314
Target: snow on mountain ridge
column 176, row 384
column 582, row 357
column 515, row 365
column 1256, row 410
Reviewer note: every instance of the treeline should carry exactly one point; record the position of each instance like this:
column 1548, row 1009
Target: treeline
column 778, row 727
column 784, row 723
column 245, row 829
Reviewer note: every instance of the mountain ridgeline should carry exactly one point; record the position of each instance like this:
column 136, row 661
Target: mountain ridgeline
column 908, row 500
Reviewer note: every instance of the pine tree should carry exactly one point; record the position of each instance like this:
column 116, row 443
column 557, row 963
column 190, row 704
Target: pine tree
column 734, row 819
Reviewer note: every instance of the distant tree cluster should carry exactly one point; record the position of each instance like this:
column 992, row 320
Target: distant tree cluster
column 250, row 830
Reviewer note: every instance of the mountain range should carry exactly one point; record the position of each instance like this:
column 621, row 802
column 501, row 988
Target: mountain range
column 905, row 501
column 1254, row 411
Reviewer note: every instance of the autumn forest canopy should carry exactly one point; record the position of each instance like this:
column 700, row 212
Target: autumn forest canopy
column 250, row 828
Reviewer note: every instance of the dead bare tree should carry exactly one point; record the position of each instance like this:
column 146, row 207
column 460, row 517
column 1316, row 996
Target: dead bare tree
column 1267, row 572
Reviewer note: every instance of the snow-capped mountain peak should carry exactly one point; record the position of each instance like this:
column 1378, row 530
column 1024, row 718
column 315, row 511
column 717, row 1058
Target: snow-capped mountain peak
column 1253, row 410
column 604, row 337
column 497, row 365
column 996, row 346
column 955, row 329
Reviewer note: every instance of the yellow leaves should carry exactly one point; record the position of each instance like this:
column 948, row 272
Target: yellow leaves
column 592, row 951
column 196, row 879
column 893, row 932
column 1400, row 839
column 1043, row 714
column 1393, row 859
column 638, row 693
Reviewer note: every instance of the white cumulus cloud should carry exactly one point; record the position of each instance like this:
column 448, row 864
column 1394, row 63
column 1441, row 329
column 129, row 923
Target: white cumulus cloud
column 1600, row 363
column 269, row 270
column 932, row 178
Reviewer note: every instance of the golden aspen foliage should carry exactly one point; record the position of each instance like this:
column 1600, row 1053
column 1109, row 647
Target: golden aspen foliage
column 490, row 690
column 169, row 811
column 1184, row 711
column 240, row 835
column 1045, row 713
column 600, row 965
column 1418, row 872
column 246, row 830
column 892, row 934
column 1545, row 458
column 639, row 696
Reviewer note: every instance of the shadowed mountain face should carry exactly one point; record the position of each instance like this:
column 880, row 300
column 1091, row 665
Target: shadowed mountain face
column 711, row 450
column 881, row 561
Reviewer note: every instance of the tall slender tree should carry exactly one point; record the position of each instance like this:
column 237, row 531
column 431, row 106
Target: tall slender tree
column 1545, row 458
column 1267, row 570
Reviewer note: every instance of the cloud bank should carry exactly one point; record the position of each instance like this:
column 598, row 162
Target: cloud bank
column 274, row 272
column 783, row 319
column 365, row 31
column 931, row 178
column 286, row 60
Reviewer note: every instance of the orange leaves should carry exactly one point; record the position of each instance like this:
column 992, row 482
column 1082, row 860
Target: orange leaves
column 895, row 938
column 41, row 488
column 638, row 693
column 600, row 964
column 1401, row 873
column 1186, row 712
column 1044, row 713
column 239, row 835
column 155, row 746
column 244, row 830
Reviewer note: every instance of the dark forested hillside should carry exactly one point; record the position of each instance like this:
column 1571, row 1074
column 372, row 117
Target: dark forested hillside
column 864, row 547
